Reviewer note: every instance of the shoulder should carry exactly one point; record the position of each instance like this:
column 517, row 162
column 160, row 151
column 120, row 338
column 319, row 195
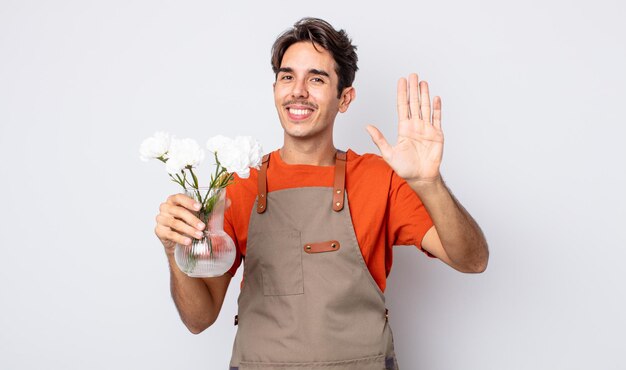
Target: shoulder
column 372, row 170
column 368, row 176
column 369, row 163
column 241, row 193
column 243, row 187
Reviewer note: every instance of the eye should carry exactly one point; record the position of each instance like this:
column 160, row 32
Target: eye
column 317, row 80
column 286, row 77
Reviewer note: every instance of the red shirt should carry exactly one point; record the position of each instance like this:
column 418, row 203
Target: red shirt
column 385, row 211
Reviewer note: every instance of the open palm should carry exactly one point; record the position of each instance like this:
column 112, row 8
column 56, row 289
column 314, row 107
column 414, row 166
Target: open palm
column 418, row 152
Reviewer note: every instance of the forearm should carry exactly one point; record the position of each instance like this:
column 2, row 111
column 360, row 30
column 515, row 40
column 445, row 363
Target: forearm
column 461, row 237
column 192, row 299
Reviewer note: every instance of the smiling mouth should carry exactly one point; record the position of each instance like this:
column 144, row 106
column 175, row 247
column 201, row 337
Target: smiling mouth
column 299, row 114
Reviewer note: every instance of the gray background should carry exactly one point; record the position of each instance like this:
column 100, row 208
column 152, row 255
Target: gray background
column 533, row 96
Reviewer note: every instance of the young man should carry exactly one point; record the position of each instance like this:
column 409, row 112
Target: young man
column 315, row 225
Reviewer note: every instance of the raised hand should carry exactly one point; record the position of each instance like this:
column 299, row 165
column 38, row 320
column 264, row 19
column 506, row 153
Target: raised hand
column 418, row 152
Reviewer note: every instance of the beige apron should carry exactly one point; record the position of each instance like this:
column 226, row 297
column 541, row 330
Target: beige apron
column 308, row 300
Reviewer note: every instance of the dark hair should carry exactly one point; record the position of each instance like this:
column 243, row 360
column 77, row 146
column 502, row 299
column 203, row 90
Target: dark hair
column 322, row 33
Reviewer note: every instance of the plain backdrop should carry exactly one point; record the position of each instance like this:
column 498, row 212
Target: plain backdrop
column 533, row 100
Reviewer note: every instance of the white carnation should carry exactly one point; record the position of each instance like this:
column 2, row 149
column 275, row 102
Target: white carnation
column 155, row 146
column 183, row 153
column 234, row 160
column 243, row 173
column 217, row 143
column 238, row 155
column 174, row 166
column 252, row 148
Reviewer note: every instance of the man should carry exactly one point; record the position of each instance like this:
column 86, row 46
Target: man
column 315, row 225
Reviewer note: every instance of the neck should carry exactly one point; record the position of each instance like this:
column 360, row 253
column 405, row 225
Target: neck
column 316, row 154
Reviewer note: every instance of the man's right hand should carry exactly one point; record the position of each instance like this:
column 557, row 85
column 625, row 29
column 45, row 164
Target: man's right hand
column 176, row 222
column 198, row 300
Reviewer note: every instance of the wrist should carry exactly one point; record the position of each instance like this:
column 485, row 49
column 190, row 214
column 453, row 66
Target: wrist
column 169, row 253
column 426, row 186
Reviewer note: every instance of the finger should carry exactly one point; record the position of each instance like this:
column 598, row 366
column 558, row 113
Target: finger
column 380, row 141
column 167, row 234
column 414, row 102
column 185, row 201
column 181, row 213
column 425, row 102
column 403, row 101
column 437, row 112
column 178, row 226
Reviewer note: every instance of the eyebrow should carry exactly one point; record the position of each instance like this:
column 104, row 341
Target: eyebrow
column 311, row 71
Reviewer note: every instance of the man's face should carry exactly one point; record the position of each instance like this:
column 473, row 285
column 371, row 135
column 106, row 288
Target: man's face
column 305, row 92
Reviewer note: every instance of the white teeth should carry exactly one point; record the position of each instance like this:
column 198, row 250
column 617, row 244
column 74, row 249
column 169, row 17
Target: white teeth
column 299, row 112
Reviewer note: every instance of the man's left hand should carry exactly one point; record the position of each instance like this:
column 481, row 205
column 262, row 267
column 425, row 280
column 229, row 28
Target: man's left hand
column 417, row 155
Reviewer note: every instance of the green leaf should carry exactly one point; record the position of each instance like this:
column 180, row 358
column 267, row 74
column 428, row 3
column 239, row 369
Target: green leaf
column 195, row 178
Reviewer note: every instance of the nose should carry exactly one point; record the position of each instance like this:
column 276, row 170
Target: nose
column 300, row 89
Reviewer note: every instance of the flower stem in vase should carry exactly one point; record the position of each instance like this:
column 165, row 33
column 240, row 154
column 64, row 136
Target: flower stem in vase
column 205, row 216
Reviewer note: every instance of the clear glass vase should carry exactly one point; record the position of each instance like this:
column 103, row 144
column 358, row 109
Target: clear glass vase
column 215, row 253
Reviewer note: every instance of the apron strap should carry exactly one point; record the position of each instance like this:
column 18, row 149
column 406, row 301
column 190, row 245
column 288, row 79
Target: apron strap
column 339, row 187
column 340, row 181
column 261, row 204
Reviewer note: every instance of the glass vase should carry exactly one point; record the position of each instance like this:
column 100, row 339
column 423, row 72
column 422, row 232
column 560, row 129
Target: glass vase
column 215, row 253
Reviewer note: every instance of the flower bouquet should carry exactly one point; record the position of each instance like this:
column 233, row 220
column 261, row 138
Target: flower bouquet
column 214, row 253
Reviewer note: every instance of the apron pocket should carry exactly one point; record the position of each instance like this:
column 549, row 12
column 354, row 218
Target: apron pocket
column 281, row 263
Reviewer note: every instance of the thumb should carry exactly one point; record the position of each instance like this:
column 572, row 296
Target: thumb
column 379, row 140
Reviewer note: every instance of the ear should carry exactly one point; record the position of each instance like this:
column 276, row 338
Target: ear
column 347, row 96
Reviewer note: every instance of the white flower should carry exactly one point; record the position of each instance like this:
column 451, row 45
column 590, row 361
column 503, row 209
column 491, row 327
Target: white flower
column 155, row 146
column 217, row 143
column 238, row 155
column 234, row 160
column 183, row 153
column 173, row 166
column 253, row 149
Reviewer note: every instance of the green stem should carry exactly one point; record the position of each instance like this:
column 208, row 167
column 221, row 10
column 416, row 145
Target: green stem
column 180, row 181
column 195, row 179
column 218, row 165
column 185, row 178
column 206, row 198
column 173, row 179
